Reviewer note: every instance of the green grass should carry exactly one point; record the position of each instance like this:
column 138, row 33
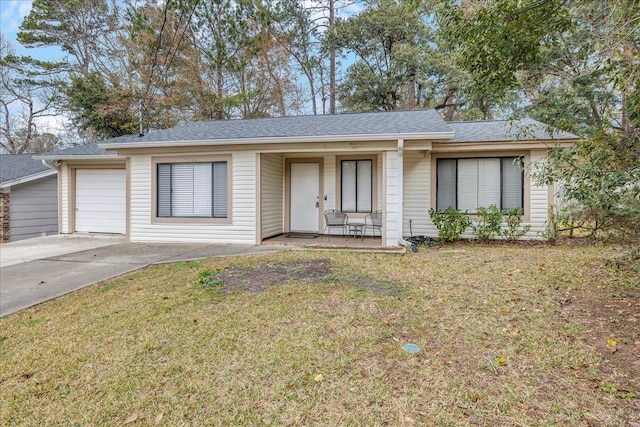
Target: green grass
column 496, row 347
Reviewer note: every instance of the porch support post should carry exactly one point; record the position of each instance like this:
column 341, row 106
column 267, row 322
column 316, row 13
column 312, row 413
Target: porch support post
column 391, row 183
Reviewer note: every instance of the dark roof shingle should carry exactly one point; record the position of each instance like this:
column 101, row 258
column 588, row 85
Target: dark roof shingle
column 506, row 130
column 14, row 166
column 392, row 122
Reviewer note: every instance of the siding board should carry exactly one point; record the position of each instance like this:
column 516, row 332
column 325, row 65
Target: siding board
column 33, row 209
column 242, row 208
column 272, row 195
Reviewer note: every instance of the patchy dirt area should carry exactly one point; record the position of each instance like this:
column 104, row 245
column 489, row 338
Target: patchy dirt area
column 609, row 319
column 270, row 274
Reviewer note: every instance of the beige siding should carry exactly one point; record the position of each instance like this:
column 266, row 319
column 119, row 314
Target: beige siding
column 272, row 194
column 329, row 184
column 539, row 199
column 242, row 208
column 65, row 204
column 33, row 209
column 538, row 205
column 417, row 193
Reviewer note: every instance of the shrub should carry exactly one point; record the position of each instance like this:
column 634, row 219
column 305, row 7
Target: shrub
column 488, row 225
column 450, row 223
column 514, row 229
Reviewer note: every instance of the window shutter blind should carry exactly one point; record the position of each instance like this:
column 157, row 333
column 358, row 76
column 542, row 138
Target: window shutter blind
column 202, row 189
column 363, row 204
column 511, row 185
column 220, row 190
column 468, row 184
column 489, row 182
column 182, row 189
column 348, row 187
column 446, row 191
column 164, row 190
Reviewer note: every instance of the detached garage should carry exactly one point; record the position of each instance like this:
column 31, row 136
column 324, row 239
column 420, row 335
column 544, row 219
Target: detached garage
column 101, row 203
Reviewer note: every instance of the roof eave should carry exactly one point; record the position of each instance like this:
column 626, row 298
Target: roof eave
column 78, row 157
column 27, row 178
column 288, row 139
column 522, row 141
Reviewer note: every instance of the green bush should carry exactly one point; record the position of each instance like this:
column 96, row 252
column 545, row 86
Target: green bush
column 514, row 229
column 450, row 223
column 489, row 223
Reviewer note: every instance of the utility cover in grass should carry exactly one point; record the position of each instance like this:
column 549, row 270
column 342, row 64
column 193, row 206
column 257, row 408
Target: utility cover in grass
column 411, row 348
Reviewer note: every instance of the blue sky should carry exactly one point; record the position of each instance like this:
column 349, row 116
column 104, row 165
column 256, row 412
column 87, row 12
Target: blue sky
column 12, row 12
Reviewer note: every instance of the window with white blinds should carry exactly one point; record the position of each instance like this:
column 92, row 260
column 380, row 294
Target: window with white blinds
column 192, row 190
column 467, row 184
column 356, row 187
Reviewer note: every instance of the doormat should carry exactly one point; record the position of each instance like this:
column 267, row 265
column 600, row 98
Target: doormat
column 302, row 236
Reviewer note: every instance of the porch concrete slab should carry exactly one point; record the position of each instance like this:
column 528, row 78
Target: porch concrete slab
column 28, row 283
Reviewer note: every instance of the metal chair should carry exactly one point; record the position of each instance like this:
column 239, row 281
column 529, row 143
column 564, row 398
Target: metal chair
column 335, row 218
column 374, row 222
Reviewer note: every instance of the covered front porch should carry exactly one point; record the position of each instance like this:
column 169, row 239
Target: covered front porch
column 296, row 189
column 324, row 241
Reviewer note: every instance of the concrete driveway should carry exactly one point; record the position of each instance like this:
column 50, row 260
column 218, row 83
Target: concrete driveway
column 36, row 270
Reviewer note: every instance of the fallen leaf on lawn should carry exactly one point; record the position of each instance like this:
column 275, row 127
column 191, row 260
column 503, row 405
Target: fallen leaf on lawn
column 502, row 361
column 611, row 342
column 159, row 418
column 613, row 349
column 318, row 378
column 131, row 419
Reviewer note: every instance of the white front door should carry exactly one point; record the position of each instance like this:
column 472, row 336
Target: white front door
column 101, row 201
column 305, row 197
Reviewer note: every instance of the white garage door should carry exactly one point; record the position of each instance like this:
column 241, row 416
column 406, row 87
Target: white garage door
column 101, row 202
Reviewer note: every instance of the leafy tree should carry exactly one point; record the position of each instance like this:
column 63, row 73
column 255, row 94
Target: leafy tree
column 79, row 27
column 493, row 41
column 28, row 91
column 106, row 111
column 390, row 41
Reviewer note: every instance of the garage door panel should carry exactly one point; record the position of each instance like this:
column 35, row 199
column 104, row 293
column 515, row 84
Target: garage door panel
column 101, row 201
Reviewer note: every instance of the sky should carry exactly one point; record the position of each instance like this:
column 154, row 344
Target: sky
column 12, row 12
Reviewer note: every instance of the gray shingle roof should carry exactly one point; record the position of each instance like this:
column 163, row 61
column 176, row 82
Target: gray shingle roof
column 506, row 130
column 14, row 166
column 81, row 150
column 400, row 122
column 415, row 121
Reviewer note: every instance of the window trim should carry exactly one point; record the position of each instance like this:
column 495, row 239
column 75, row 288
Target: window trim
column 526, row 185
column 213, row 198
column 374, row 182
column 156, row 160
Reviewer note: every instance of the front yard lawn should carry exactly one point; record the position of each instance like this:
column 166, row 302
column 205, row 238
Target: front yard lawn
column 509, row 335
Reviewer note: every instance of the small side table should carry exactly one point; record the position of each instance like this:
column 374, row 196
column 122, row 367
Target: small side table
column 355, row 229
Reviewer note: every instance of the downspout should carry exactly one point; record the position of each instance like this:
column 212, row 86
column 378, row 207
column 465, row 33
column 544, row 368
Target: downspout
column 50, row 166
column 401, row 241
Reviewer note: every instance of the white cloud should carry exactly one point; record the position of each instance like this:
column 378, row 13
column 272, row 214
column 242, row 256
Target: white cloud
column 52, row 124
column 13, row 13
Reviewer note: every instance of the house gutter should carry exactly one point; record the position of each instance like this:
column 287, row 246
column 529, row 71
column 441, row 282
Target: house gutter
column 284, row 139
column 401, row 241
column 50, row 165
column 27, row 178
column 48, row 157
